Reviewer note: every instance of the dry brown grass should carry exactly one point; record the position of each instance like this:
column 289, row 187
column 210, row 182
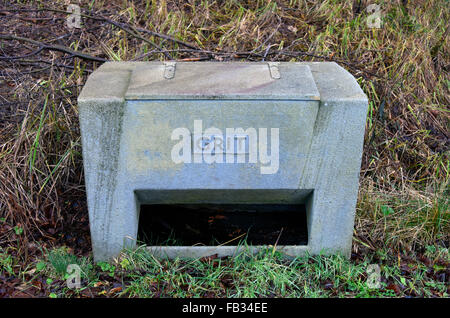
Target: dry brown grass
column 402, row 67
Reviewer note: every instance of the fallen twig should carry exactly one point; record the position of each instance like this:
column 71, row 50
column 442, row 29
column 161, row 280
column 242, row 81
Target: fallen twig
column 54, row 47
column 117, row 24
column 23, row 56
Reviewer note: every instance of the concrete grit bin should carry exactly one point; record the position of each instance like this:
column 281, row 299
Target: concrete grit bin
column 231, row 134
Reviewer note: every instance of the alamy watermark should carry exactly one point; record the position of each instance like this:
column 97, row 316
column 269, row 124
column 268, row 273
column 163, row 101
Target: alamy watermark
column 73, row 276
column 74, row 18
column 213, row 146
column 374, row 19
column 373, row 276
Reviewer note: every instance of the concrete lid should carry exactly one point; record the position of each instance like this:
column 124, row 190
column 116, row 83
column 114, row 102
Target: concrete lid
column 212, row 80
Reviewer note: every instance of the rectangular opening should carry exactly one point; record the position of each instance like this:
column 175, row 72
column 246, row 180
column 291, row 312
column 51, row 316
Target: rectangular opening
column 222, row 224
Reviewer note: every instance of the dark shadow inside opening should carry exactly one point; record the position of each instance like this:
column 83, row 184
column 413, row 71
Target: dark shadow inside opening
column 222, row 224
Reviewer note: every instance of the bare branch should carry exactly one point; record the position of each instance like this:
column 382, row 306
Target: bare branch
column 54, row 47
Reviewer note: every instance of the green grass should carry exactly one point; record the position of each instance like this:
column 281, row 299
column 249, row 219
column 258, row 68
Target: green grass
column 59, row 259
column 266, row 274
column 6, row 262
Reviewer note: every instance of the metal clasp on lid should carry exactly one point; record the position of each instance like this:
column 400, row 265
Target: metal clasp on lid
column 169, row 70
column 274, row 71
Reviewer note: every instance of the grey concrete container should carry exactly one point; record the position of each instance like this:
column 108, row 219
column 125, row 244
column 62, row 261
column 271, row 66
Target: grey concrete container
column 131, row 115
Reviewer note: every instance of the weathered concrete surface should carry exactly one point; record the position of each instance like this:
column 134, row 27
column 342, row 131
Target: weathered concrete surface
column 211, row 80
column 128, row 111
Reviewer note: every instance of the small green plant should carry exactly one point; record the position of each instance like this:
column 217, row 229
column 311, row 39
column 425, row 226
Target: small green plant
column 60, row 258
column 386, row 210
column 125, row 264
column 18, row 230
column 41, row 266
column 6, row 262
column 106, row 267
